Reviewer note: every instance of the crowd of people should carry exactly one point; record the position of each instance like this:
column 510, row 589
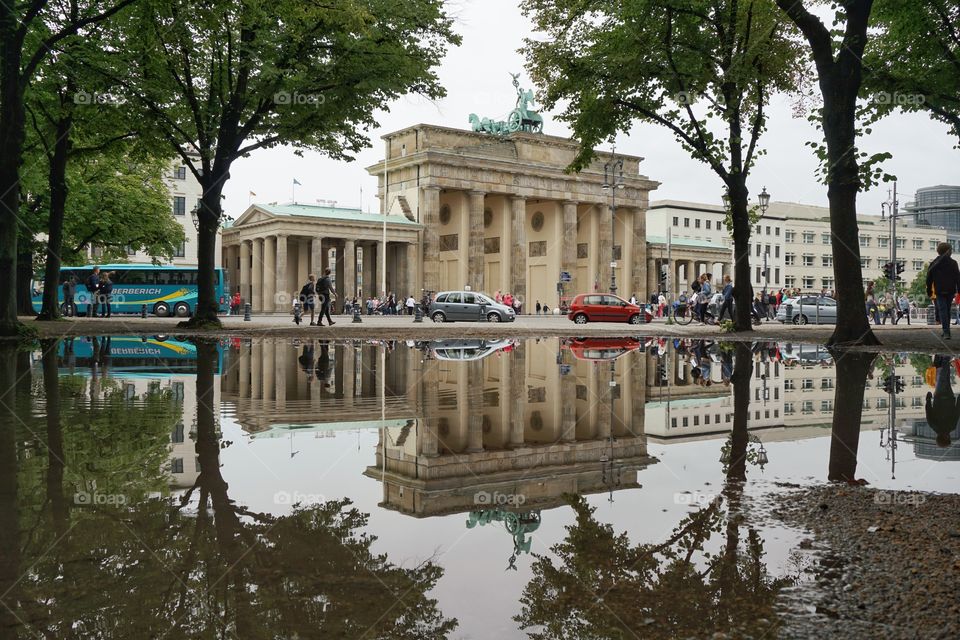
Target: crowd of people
column 100, row 287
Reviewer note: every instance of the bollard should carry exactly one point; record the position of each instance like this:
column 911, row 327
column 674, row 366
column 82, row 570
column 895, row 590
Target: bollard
column 356, row 313
column 417, row 313
column 143, row 311
column 246, row 312
column 787, row 313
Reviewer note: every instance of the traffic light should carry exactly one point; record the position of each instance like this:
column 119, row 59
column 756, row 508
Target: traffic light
column 663, row 273
column 893, row 384
column 900, row 267
column 888, row 271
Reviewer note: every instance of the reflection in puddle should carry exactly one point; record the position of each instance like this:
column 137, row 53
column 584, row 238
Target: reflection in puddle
column 296, row 488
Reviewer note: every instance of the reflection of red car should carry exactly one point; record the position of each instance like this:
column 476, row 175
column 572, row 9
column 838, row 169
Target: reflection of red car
column 601, row 349
column 605, row 307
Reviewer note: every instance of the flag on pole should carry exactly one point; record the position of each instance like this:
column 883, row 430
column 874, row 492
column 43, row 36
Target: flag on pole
column 296, row 182
column 252, row 194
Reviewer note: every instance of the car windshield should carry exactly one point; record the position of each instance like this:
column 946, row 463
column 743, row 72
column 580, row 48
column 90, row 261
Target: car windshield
column 482, row 299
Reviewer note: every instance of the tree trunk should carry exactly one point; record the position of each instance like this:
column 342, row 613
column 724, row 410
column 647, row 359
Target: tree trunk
column 10, row 548
column 208, row 305
column 57, row 180
column 25, row 283
column 12, row 122
column 740, row 436
column 55, row 454
column 742, row 287
column 852, row 370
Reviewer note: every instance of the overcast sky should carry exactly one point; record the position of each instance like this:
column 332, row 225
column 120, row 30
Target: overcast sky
column 477, row 81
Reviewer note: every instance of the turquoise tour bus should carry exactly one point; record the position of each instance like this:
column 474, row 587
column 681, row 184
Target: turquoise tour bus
column 165, row 290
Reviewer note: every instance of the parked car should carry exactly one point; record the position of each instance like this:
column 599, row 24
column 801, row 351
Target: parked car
column 606, row 307
column 808, row 310
column 466, row 349
column 455, row 306
column 601, row 349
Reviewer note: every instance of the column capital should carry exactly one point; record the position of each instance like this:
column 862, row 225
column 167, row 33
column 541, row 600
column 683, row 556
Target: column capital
column 431, row 187
column 569, row 202
column 514, row 198
column 476, row 193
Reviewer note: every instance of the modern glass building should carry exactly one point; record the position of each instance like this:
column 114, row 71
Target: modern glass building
column 938, row 206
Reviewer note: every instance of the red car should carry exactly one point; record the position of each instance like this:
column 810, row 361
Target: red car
column 600, row 349
column 605, row 307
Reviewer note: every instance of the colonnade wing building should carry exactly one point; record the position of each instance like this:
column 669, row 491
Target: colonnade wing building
column 500, row 213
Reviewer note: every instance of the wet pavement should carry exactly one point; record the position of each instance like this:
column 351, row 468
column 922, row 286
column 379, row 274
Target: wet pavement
column 593, row 487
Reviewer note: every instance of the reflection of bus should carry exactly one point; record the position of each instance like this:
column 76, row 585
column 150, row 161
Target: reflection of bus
column 165, row 290
column 132, row 354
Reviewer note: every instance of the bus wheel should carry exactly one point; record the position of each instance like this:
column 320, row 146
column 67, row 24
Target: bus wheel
column 161, row 309
column 182, row 310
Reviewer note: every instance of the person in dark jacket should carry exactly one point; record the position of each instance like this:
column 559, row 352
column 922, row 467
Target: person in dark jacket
column 326, row 292
column 69, row 295
column 93, row 288
column 943, row 280
column 727, row 306
column 942, row 406
column 105, row 291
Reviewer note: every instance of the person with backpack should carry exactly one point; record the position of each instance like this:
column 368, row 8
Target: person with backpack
column 308, row 297
column 93, row 287
column 69, row 294
column 327, row 293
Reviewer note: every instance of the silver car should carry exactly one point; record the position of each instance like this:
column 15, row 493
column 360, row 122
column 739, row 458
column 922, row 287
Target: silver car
column 454, row 306
column 808, row 309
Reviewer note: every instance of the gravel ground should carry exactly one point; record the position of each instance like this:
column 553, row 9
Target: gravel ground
column 894, row 338
column 885, row 564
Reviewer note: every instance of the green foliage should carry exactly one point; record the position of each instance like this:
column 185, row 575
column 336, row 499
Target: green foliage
column 727, row 326
column 913, row 60
column 918, row 289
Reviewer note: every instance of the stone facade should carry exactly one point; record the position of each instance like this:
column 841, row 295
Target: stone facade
column 502, row 214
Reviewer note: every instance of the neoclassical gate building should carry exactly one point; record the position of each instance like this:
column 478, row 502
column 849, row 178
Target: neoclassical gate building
column 500, row 212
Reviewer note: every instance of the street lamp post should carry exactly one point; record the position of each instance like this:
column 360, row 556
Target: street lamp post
column 613, row 180
column 892, row 206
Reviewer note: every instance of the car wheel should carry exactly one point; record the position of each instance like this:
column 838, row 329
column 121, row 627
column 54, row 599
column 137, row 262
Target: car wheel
column 182, row 310
column 493, row 317
column 161, row 310
column 801, row 319
column 580, row 318
column 635, row 319
column 438, row 317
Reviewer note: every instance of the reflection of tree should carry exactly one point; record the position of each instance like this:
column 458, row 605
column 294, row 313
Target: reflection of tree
column 602, row 586
column 852, row 370
column 207, row 567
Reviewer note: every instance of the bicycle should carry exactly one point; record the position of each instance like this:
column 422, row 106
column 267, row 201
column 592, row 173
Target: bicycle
column 682, row 312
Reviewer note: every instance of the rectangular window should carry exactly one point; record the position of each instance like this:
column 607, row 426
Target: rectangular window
column 176, row 465
column 901, row 243
column 808, row 282
column 807, row 406
column 807, row 260
column 917, row 243
column 864, row 241
column 179, row 206
column 583, row 251
column 450, row 242
column 686, row 222
column 776, row 251
column 789, row 259
column 758, row 275
column 917, row 265
column 807, row 384
column 538, row 249
column 676, row 221
column 788, row 385
column 827, row 283
column 826, row 383
column 177, row 436
column 788, row 236
column 768, row 230
column 491, row 245
column 181, row 173
column 826, row 261
column 883, row 242
column 825, row 238
column 776, row 231
column 181, row 250
column 777, row 277
column 808, row 237
column 933, row 245
column 758, row 250
column 708, row 224
column 864, row 263
column 826, row 405
column 790, row 281
column 696, row 223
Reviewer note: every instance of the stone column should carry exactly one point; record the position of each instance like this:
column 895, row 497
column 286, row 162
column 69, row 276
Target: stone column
column 256, row 369
column 430, row 240
column 269, row 273
column 506, row 246
column 303, row 262
column 244, row 372
column 568, row 256
column 690, row 275
column 282, row 293
column 349, row 270
column 476, row 258
column 652, row 275
column 349, row 374
column 256, row 299
column 602, row 214
column 518, row 394
column 638, row 372
column 410, row 269
column 475, row 382
column 430, row 438
column 640, row 247
column 568, row 412
column 604, row 400
column 246, row 248
column 316, row 257
column 518, row 261
column 381, row 266
column 280, row 382
column 369, row 269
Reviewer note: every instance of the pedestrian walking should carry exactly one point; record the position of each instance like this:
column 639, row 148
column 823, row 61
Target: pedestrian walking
column 905, row 308
column 706, row 291
column 943, row 279
column 236, row 302
column 410, row 304
column 327, row 294
column 93, row 288
column 105, row 291
column 538, row 307
column 727, row 304
column 308, row 297
column 69, row 295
